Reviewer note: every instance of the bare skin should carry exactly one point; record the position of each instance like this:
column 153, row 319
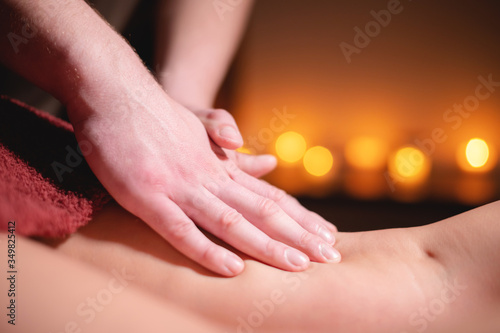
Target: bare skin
column 443, row 277
column 55, row 294
column 152, row 154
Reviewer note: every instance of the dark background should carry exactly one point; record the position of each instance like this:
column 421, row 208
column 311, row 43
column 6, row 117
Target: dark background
column 397, row 88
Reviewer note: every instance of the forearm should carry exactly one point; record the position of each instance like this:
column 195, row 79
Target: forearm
column 68, row 50
column 33, row 45
column 195, row 45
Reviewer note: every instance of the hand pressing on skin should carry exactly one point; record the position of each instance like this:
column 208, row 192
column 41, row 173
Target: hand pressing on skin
column 152, row 154
column 156, row 160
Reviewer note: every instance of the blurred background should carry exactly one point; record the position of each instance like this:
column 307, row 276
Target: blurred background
column 385, row 123
column 381, row 113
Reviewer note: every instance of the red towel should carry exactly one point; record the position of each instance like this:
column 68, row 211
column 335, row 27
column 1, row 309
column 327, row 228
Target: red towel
column 45, row 184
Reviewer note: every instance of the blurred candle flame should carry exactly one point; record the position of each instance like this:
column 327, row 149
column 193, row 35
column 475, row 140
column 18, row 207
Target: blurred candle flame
column 366, row 153
column 410, row 165
column 476, row 156
column 290, row 146
column 318, row 161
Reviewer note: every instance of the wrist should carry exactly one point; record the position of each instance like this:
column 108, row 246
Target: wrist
column 189, row 92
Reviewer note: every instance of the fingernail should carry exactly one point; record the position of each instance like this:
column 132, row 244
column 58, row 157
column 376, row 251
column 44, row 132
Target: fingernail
column 296, row 258
column 266, row 158
column 230, row 133
column 233, row 264
column 326, row 235
column 329, row 253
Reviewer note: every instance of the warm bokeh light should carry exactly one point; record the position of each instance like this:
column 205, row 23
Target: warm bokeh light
column 477, row 152
column 366, row 153
column 244, row 150
column 476, row 156
column 410, row 165
column 318, row 161
column 290, row 146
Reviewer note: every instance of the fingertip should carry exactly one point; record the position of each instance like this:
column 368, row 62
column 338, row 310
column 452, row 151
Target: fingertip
column 257, row 165
column 338, row 257
column 233, row 265
column 327, row 235
column 298, row 260
column 329, row 253
column 230, row 137
column 269, row 160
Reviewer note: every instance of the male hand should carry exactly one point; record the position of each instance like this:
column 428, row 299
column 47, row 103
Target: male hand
column 155, row 158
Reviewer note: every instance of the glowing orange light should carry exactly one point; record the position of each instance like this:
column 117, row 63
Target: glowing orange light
column 244, row 150
column 477, row 153
column 318, row 161
column 290, row 146
column 410, row 165
column 476, row 156
column 366, row 153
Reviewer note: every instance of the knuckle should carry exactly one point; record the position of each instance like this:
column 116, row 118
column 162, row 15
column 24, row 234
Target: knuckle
column 272, row 249
column 209, row 254
column 293, row 200
column 267, row 207
column 308, row 224
column 213, row 187
column 314, row 218
column 305, row 239
column 276, row 194
column 233, row 170
column 229, row 218
column 150, row 178
column 305, row 222
column 218, row 114
column 179, row 231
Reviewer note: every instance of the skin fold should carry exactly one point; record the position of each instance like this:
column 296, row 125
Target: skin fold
column 442, row 277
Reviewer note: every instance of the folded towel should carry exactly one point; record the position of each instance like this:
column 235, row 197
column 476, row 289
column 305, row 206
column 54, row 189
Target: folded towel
column 45, row 184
